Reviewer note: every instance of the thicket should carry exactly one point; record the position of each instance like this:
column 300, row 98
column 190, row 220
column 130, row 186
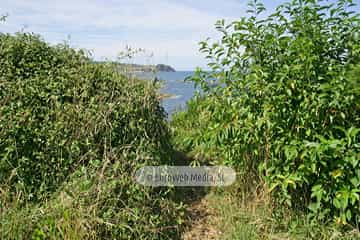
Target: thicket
column 72, row 134
column 282, row 104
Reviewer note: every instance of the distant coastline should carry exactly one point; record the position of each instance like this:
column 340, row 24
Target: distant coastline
column 145, row 68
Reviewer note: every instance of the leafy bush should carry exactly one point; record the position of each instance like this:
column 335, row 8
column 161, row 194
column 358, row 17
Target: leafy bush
column 58, row 111
column 283, row 100
column 73, row 133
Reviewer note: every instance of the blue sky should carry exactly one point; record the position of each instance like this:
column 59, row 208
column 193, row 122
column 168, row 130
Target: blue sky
column 169, row 30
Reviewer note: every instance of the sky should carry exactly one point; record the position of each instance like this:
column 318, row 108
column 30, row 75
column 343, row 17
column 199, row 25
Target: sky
column 168, row 30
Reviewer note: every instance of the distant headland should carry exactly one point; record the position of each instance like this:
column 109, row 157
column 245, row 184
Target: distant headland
column 145, row 68
column 164, row 68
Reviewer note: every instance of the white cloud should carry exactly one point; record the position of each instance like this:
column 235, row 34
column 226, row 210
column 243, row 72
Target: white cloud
column 155, row 14
column 165, row 27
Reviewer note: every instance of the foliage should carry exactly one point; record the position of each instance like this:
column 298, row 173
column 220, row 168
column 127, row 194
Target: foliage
column 244, row 219
column 3, row 17
column 282, row 100
column 72, row 134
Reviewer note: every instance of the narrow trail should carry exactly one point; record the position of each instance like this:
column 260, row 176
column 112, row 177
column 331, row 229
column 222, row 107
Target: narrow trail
column 203, row 222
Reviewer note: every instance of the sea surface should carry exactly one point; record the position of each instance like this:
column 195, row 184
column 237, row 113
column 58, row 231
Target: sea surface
column 173, row 84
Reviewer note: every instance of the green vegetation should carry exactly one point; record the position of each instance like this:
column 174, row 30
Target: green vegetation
column 3, row 18
column 283, row 106
column 72, row 135
column 255, row 219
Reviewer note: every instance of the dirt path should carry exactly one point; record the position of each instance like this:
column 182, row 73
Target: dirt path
column 202, row 221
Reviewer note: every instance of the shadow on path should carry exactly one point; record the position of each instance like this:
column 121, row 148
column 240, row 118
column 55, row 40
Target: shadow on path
column 198, row 215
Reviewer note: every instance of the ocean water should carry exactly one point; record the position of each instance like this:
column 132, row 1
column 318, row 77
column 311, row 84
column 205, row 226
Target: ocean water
column 173, row 84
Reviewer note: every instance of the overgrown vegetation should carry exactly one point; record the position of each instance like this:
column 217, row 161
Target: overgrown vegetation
column 72, row 134
column 282, row 106
column 244, row 218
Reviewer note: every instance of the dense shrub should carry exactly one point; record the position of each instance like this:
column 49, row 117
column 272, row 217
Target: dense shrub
column 72, row 133
column 58, row 111
column 283, row 101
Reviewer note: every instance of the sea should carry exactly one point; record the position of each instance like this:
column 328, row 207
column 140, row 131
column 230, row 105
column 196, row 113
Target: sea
column 174, row 85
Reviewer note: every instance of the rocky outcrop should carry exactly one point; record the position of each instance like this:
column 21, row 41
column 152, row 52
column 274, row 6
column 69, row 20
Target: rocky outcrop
column 164, row 68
